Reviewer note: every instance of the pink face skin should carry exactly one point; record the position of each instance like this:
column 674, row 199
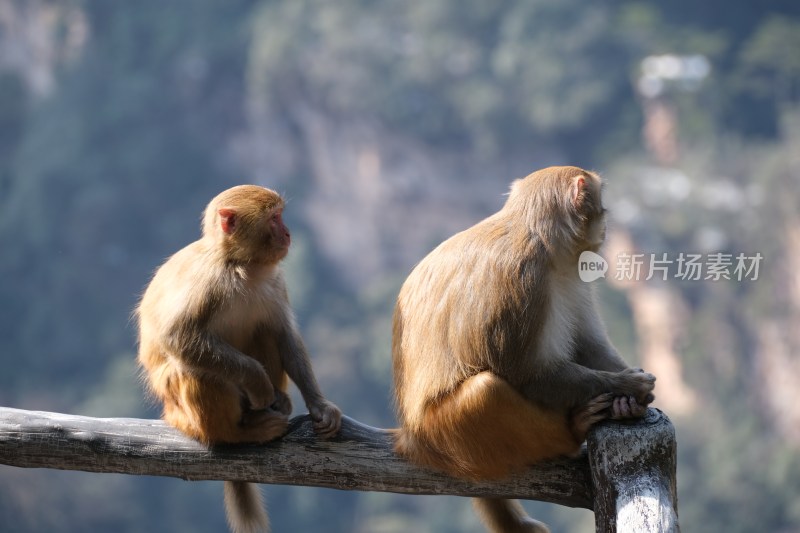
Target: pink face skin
column 279, row 238
column 279, row 229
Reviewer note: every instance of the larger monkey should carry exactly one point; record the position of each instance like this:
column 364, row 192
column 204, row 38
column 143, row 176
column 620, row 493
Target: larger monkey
column 217, row 337
column 500, row 358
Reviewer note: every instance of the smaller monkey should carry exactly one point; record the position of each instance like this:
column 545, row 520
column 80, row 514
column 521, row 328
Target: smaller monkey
column 500, row 359
column 217, row 338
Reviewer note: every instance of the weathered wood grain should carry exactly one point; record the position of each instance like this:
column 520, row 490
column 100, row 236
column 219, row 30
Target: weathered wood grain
column 634, row 472
column 626, row 473
column 360, row 458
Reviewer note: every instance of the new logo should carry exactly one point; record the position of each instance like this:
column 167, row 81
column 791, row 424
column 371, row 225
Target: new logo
column 591, row 266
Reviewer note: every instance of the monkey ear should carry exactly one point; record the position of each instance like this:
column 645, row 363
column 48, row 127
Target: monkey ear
column 227, row 219
column 577, row 188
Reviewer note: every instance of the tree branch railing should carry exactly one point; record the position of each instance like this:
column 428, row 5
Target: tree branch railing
column 625, row 473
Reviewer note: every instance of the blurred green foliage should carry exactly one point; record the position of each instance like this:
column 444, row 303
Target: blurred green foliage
column 107, row 174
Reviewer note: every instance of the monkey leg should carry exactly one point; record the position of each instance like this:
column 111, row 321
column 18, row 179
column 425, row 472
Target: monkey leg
column 210, row 410
column 485, row 429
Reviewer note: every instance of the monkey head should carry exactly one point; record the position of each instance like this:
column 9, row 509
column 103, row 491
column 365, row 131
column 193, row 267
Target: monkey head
column 246, row 222
column 564, row 206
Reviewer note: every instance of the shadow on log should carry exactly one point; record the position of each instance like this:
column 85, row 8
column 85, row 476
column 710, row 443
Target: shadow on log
column 626, row 473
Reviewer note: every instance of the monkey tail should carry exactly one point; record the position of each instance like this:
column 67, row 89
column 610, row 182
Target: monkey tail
column 500, row 516
column 245, row 508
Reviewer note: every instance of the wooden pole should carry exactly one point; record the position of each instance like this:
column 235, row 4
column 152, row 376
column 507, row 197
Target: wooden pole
column 633, row 471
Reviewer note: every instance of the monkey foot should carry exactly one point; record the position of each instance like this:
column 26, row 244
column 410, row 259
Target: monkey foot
column 597, row 409
column 627, row 407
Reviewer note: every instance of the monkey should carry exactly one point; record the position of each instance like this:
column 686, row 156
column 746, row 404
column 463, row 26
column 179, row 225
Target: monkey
column 218, row 338
column 500, row 359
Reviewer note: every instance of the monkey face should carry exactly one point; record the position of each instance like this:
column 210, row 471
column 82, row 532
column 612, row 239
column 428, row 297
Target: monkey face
column 281, row 236
column 270, row 237
column 596, row 231
column 591, row 210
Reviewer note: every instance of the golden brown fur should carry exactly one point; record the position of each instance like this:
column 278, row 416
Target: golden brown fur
column 218, row 340
column 500, row 359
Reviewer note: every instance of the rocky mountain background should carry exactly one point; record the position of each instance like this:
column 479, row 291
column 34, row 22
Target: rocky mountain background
column 389, row 127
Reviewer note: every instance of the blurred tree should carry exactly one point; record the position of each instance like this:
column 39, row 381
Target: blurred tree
column 110, row 175
column 770, row 63
column 485, row 76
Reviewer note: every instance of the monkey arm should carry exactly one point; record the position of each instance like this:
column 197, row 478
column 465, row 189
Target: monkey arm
column 326, row 416
column 565, row 384
column 297, row 365
column 202, row 351
column 592, row 347
column 596, row 352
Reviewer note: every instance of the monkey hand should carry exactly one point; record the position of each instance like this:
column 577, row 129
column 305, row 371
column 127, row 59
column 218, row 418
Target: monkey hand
column 258, row 388
column 327, row 418
column 282, row 403
column 636, row 383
